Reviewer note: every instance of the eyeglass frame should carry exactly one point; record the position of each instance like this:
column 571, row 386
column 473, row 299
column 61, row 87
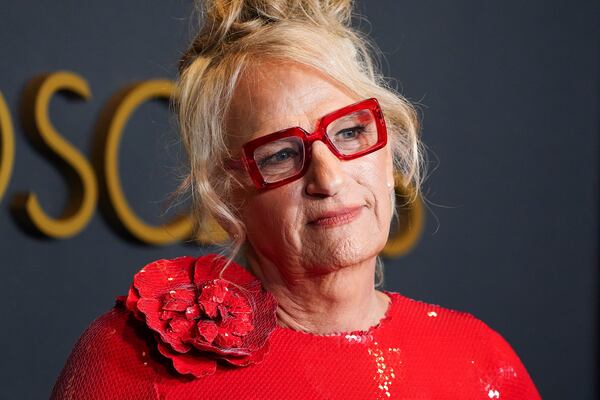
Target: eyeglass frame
column 248, row 163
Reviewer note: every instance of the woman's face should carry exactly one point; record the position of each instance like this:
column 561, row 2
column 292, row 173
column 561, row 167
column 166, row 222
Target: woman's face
column 338, row 214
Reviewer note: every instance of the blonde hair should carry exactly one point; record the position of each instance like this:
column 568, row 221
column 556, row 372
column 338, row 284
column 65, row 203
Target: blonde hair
column 238, row 34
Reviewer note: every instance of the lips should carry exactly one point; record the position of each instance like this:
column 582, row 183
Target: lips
column 336, row 217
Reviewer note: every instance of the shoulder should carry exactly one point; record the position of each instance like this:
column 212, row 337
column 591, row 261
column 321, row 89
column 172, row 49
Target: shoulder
column 464, row 339
column 107, row 361
column 113, row 357
column 426, row 315
column 180, row 319
column 436, row 320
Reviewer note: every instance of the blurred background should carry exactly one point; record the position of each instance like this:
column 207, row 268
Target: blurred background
column 508, row 92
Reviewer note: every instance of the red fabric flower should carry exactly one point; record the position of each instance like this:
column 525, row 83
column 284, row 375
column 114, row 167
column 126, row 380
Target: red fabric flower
column 199, row 317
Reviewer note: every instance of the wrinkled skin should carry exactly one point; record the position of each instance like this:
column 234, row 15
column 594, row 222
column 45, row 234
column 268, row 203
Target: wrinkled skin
column 311, row 267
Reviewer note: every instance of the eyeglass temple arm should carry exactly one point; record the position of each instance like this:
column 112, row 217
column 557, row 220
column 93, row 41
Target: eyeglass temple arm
column 235, row 164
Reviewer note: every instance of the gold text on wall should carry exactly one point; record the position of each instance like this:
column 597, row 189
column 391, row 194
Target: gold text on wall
column 88, row 180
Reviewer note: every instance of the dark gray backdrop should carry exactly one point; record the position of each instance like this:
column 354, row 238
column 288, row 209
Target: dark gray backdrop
column 509, row 94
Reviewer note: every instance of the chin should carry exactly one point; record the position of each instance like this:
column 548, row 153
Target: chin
column 356, row 240
column 345, row 252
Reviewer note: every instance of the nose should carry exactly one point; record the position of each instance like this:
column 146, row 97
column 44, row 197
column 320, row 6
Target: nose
column 325, row 176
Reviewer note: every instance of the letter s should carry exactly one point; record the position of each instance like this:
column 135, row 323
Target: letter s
column 84, row 196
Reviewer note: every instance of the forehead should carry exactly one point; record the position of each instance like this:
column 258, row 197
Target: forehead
column 274, row 96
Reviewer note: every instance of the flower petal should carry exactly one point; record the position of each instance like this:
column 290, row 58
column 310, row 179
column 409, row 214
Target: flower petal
column 181, row 298
column 190, row 363
column 255, row 357
column 192, row 312
column 220, row 351
column 264, row 318
column 236, row 302
column 161, row 276
column 226, row 339
column 207, row 330
column 152, row 309
column 223, row 312
column 131, row 302
column 209, row 308
column 167, row 315
column 213, row 290
column 181, row 327
column 239, row 326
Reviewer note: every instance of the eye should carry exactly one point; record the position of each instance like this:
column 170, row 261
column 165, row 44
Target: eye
column 281, row 156
column 350, row 133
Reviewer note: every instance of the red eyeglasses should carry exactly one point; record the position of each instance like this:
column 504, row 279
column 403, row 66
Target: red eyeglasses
column 284, row 156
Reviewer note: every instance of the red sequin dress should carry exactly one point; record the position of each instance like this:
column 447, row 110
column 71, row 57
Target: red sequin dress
column 417, row 351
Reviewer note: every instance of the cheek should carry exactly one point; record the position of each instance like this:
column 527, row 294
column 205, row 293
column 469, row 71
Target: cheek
column 373, row 176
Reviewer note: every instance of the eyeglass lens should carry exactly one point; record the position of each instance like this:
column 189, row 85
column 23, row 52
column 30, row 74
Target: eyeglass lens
column 280, row 159
column 354, row 132
column 349, row 134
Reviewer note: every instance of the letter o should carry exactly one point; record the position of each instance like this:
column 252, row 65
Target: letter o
column 7, row 146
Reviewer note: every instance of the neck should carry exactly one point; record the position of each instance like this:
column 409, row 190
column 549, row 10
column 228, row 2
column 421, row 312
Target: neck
column 342, row 300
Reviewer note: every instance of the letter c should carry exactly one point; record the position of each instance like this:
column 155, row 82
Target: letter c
column 118, row 112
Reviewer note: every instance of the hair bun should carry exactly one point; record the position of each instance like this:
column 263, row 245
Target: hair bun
column 226, row 20
column 231, row 12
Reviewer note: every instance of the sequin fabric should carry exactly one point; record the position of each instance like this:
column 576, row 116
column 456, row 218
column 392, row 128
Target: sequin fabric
column 417, row 351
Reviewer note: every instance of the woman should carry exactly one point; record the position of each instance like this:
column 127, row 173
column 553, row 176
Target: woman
column 294, row 142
